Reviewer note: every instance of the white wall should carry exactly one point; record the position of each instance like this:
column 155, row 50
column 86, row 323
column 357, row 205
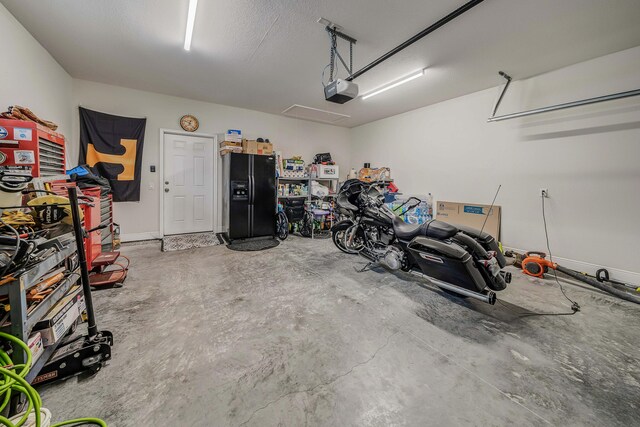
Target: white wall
column 588, row 157
column 140, row 220
column 30, row 77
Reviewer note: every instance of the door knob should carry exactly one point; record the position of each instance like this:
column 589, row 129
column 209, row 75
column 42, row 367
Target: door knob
column 166, row 190
column 166, row 182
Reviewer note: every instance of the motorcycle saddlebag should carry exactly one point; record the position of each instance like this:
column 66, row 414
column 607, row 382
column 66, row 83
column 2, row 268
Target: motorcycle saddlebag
column 448, row 262
column 487, row 241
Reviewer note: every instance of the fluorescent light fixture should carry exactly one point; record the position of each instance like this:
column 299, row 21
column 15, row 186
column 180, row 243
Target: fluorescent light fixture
column 191, row 19
column 329, row 24
column 394, row 83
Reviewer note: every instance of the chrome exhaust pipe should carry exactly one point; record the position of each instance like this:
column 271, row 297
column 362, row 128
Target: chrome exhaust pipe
column 489, row 297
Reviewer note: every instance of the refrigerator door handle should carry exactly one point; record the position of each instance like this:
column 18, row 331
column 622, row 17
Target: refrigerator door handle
column 251, row 189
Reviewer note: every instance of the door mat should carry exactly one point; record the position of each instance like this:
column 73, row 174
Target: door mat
column 180, row 242
column 254, row 245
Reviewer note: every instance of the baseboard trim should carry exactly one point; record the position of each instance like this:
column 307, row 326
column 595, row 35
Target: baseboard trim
column 137, row 237
column 587, row 267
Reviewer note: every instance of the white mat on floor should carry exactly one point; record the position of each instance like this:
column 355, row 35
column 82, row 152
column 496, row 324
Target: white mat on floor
column 179, row 242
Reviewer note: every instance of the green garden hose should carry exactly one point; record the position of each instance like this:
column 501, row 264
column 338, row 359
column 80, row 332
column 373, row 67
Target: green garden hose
column 12, row 380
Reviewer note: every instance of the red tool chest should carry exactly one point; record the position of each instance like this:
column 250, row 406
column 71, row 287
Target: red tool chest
column 24, row 143
column 92, row 217
column 93, row 242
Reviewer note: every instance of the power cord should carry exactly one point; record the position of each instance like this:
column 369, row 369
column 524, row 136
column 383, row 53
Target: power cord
column 533, row 313
column 15, row 250
column 12, row 382
column 575, row 307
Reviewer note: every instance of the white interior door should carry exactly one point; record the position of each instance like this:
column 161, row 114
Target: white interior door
column 188, row 184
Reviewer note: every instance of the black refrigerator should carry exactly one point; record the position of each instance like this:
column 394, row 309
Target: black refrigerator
column 249, row 195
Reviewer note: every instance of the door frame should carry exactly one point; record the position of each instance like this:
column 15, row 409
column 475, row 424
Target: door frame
column 160, row 168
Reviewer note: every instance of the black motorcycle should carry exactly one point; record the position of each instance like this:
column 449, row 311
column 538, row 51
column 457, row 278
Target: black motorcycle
column 458, row 259
column 348, row 214
column 352, row 208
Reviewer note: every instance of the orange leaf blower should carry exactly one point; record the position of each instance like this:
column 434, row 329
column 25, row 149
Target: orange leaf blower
column 535, row 264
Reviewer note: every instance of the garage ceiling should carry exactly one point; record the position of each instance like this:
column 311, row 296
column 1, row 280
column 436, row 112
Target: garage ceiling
column 269, row 55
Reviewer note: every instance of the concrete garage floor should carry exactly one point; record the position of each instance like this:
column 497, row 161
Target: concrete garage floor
column 295, row 336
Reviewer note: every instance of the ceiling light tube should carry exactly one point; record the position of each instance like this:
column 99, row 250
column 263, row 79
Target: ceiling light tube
column 191, row 19
column 394, row 83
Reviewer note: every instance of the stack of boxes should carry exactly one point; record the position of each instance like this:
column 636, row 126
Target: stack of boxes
column 234, row 143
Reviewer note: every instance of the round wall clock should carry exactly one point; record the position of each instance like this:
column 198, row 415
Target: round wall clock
column 189, row 123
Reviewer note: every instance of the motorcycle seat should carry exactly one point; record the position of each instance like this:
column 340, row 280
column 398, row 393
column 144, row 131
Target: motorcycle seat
column 435, row 229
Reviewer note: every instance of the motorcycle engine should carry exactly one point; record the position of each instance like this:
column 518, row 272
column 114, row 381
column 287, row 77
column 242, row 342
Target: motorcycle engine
column 386, row 236
column 392, row 259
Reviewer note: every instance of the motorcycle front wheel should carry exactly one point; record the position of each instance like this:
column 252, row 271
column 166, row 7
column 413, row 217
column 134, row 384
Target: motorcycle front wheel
column 354, row 239
column 338, row 240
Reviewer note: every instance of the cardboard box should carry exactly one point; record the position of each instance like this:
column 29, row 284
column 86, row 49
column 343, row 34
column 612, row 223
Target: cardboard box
column 249, row 146
column 233, row 135
column 325, row 171
column 293, row 165
column 59, row 319
column 35, row 345
column 225, row 144
column 255, row 147
column 471, row 215
column 225, row 151
column 227, row 147
column 265, row 148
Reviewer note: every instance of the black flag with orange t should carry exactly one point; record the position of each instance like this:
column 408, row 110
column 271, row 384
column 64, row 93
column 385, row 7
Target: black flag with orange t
column 113, row 145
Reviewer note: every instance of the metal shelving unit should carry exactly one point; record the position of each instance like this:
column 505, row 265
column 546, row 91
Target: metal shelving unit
column 309, row 197
column 330, row 195
column 331, row 180
column 306, row 180
column 23, row 319
column 288, row 179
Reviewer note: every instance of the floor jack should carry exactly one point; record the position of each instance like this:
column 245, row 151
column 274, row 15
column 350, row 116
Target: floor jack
column 102, row 276
column 86, row 354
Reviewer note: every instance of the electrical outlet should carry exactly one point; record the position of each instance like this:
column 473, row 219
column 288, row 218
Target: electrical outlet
column 544, row 192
